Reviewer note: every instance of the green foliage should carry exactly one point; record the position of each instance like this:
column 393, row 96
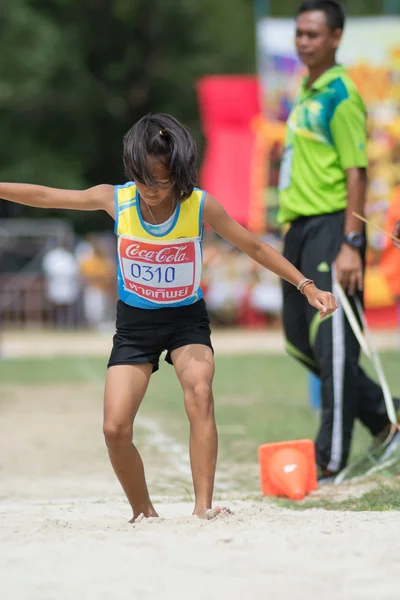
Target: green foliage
column 75, row 75
column 286, row 8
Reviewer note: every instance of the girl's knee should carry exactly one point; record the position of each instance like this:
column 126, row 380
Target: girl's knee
column 199, row 400
column 116, row 433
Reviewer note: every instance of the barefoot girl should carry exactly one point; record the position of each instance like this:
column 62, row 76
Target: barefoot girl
column 159, row 217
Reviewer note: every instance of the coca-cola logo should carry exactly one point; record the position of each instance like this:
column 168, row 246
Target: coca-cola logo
column 168, row 254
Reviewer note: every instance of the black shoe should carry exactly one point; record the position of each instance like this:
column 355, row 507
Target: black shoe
column 390, row 446
column 325, row 477
column 384, row 453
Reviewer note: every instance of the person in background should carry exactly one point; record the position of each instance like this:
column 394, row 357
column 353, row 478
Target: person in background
column 322, row 182
column 61, row 272
column 389, row 264
column 98, row 272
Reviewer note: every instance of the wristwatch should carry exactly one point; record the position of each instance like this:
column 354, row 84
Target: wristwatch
column 354, row 239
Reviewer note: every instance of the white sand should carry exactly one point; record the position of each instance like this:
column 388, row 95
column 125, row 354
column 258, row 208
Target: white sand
column 82, row 549
column 64, row 532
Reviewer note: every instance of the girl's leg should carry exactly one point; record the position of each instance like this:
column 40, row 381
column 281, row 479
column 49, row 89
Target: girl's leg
column 125, row 388
column 194, row 366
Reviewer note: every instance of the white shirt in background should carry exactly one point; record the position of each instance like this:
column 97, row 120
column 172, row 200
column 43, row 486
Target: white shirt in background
column 62, row 276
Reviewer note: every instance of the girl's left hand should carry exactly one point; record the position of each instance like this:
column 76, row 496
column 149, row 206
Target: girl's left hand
column 325, row 302
column 396, row 233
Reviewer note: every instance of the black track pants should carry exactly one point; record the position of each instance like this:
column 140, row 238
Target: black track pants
column 329, row 348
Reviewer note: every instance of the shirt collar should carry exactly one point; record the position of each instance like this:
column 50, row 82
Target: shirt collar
column 324, row 79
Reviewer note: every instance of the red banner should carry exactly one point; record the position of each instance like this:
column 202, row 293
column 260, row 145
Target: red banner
column 228, row 107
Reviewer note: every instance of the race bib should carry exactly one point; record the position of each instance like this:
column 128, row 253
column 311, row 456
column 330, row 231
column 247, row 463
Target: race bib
column 285, row 174
column 162, row 272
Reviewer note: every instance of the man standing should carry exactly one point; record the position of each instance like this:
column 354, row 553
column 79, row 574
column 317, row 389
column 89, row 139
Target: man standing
column 322, row 181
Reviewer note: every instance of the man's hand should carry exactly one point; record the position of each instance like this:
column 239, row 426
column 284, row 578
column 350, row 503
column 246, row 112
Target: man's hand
column 349, row 270
column 396, row 233
column 325, row 302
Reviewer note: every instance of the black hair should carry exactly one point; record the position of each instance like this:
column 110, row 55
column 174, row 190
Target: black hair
column 334, row 12
column 161, row 137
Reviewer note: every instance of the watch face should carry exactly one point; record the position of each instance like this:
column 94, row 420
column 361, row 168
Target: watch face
column 355, row 239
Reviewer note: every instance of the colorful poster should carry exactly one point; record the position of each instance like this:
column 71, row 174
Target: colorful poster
column 371, row 51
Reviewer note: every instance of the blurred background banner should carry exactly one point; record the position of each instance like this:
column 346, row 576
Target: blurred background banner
column 228, row 105
column 371, row 52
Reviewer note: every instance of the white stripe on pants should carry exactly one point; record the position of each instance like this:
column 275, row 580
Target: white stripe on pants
column 338, row 356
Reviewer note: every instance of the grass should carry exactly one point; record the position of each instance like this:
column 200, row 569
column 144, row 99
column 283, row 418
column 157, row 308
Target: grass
column 259, row 399
column 39, row 371
column 381, row 498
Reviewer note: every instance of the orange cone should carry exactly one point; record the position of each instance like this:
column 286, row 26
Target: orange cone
column 288, row 469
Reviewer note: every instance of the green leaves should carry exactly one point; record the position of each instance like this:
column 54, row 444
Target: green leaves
column 75, row 75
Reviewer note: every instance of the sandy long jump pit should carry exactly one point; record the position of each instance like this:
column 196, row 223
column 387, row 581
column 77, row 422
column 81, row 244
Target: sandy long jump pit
column 64, row 533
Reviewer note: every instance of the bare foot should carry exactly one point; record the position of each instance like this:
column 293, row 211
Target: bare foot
column 150, row 513
column 213, row 513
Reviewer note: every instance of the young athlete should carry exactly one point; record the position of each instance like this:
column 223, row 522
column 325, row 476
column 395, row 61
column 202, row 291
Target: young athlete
column 159, row 217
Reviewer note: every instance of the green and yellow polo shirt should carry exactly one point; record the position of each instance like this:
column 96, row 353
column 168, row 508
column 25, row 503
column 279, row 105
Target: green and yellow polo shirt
column 326, row 135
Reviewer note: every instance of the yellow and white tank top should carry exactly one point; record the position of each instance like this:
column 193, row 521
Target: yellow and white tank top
column 158, row 270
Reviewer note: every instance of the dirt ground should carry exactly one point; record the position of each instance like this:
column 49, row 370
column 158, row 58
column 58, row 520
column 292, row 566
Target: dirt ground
column 64, row 533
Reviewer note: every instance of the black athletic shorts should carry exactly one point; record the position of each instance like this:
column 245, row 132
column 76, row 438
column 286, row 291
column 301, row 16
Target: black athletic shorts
column 142, row 335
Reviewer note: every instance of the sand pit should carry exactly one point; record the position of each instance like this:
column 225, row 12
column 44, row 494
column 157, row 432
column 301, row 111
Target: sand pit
column 64, row 533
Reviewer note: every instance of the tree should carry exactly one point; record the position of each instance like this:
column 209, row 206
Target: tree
column 358, row 8
column 75, row 75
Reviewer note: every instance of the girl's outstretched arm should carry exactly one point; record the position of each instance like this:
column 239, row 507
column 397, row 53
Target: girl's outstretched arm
column 100, row 197
column 216, row 216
